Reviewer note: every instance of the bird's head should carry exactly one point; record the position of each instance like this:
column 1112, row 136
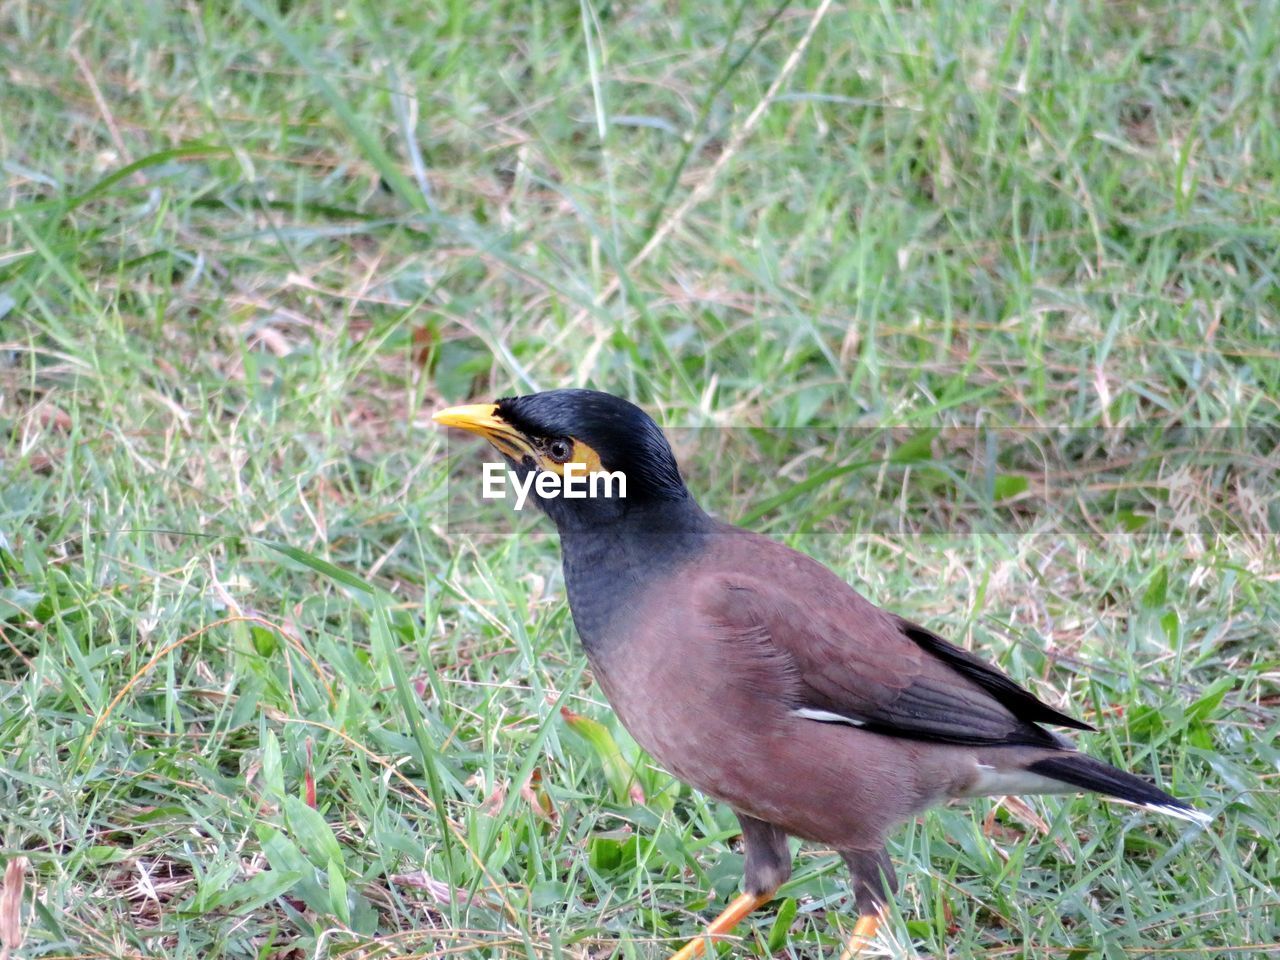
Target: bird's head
column 575, row 434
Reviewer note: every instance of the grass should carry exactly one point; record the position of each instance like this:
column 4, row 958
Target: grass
column 246, row 248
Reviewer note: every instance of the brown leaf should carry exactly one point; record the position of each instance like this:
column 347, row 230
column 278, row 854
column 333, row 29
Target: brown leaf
column 537, row 797
column 423, row 339
column 52, row 418
column 438, row 890
column 271, row 338
column 11, row 906
column 309, row 778
column 537, row 592
column 492, row 805
column 1023, row 813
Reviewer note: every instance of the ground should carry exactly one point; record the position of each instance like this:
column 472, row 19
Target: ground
column 975, row 302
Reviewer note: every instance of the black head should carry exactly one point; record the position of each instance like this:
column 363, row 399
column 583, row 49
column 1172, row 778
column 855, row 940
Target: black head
column 579, row 434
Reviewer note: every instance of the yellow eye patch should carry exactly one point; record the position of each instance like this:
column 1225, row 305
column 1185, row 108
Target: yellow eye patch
column 581, row 453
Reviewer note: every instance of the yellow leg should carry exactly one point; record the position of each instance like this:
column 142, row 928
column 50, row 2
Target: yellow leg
column 721, row 925
column 864, row 931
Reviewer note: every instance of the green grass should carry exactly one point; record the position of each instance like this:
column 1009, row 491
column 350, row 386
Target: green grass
column 247, row 247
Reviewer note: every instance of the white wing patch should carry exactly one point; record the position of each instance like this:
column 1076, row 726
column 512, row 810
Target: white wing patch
column 825, row 716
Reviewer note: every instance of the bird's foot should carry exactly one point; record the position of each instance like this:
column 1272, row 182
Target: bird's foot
column 732, row 915
column 864, row 931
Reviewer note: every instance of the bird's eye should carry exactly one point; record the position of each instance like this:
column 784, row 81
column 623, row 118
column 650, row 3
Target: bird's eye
column 560, row 450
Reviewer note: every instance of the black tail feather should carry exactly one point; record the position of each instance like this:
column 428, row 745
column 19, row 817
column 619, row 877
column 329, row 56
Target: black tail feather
column 1090, row 774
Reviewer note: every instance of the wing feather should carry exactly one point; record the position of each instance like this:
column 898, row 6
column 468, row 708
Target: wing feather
column 841, row 655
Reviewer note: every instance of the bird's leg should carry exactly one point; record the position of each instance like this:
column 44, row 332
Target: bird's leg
column 767, row 868
column 874, row 882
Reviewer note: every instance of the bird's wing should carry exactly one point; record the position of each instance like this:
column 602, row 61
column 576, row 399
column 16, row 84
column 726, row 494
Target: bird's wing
column 842, row 659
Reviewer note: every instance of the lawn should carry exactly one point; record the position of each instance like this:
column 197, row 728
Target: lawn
column 976, row 302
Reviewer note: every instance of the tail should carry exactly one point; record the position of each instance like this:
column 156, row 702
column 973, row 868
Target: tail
column 1087, row 773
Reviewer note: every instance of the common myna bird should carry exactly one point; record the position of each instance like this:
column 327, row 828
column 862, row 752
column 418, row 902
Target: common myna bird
column 756, row 675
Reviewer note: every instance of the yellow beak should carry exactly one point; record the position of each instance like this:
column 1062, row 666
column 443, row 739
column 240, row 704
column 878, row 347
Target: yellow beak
column 483, row 419
column 475, row 417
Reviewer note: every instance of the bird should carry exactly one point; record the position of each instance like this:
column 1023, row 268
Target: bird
column 756, row 675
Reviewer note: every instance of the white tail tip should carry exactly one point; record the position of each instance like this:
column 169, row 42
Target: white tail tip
column 1198, row 817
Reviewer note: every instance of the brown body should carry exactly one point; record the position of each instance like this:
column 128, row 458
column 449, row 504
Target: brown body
column 709, row 690
column 717, row 714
